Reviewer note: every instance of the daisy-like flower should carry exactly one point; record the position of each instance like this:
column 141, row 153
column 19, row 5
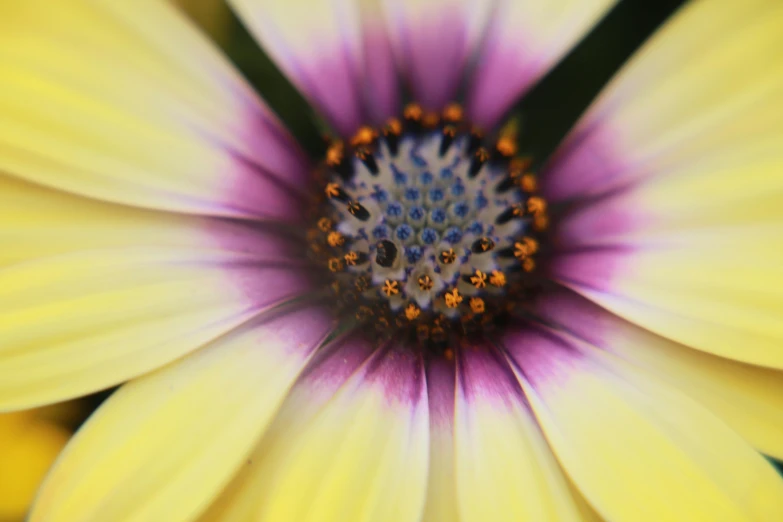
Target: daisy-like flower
column 415, row 326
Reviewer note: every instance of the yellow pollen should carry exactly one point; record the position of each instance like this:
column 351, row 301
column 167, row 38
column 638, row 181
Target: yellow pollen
column 448, row 353
column 312, row 236
column 413, row 111
column 450, row 131
column 425, row 283
column 536, row 205
column 393, row 127
column 354, row 207
column 335, row 264
column 361, row 284
column 391, row 288
column 507, row 146
column 350, row 258
column 486, row 244
column 477, row 305
column 482, row 154
column 334, row 154
column 528, row 265
column 364, row 136
column 541, row 222
column 497, row 278
column 332, row 190
column 453, row 113
column 438, row 334
column 525, row 248
column 528, row 183
column 431, row 119
column 382, row 323
column 518, row 166
column 412, row 312
column 335, row 239
column 448, row 256
column 453, row 299
column 479, row 280
column 423, row 332
column 324, row 224
column 518, row 211
column 363, row 313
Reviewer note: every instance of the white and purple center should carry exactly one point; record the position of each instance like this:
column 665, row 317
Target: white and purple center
column 425, row 226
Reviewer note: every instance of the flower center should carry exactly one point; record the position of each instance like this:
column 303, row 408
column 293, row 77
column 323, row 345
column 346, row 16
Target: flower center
column 427, row 229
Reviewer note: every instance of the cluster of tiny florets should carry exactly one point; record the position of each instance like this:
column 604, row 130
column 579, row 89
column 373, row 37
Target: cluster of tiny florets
column 423, row 227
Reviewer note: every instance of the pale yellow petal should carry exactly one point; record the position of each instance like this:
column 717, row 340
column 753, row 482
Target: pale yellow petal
column 357, row 455
column 748, row 398
column 76, row 323
column 318, row 44
column 687, row 148
column 505, row 470
column 127, row 102
column 165, row 444
column 638, row 449
column 710, row 81
column 522, row 41
column 441, row 504
column 39, row 222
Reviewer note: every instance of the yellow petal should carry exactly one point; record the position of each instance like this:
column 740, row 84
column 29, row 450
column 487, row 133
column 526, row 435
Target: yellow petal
column 441, row 504
column 690, row 247
column 522, row 41
column 680, row 100
column 748, row 398
column 127, row 102
column 165, row 444
column 319, row 46
column 39, row 222
column 80, row 322
column 28, row 446
column 505, row 470
column 357, row 455
column 638, row 449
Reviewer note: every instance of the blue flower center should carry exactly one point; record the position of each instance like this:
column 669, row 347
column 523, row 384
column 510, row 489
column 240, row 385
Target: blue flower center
column 425, row 226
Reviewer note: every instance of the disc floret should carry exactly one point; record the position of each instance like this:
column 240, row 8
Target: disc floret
column 428, row 227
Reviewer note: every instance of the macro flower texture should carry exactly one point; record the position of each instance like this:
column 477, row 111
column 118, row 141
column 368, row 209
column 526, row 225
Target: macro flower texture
column 422, row 324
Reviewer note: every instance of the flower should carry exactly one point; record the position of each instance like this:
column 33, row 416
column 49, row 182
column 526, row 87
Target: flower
column 161, row 227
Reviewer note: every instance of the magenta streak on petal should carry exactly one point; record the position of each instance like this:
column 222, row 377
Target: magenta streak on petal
column 333, row 365
column 332, row 83
column 590, row 162
column 433, row 54
column 302, row 330
column 399, row 372
column 594, row 269
column 541, row 356
column 274, row 150
column 484, row 375
column 568, row 311
column 381, row 88
column 249, row 239
column 441, row 381
column 264, row 285
column 501, row 76
column 610, row 220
